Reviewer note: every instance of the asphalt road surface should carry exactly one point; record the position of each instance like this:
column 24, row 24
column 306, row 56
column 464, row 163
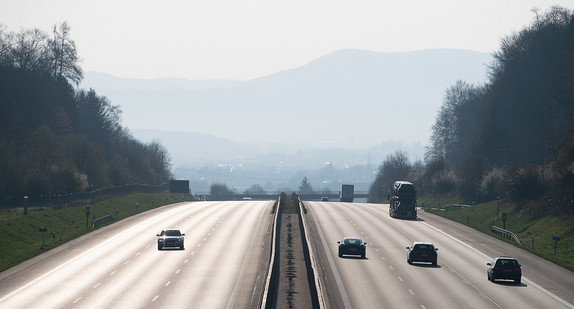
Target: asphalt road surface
column 223, row 265
column 385, row 280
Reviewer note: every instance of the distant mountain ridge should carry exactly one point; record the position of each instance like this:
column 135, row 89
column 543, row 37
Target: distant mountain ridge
column 347, row 99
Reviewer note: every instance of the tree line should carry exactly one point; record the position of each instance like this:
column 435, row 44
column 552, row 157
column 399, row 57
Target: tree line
column 512, row 137
column 55, row 138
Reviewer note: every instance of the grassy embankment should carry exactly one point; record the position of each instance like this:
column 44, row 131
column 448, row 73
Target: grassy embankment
column 534, row 234
column 20, row 238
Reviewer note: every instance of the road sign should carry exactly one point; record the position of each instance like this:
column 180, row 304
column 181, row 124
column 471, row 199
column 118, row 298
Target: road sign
column 556, row 239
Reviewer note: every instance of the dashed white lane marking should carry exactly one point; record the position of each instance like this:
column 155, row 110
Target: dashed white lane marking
column 76, row 300
column 96, row 285
column 167, row 283
column 113, row 273
column 155, row 298
column 412, row 293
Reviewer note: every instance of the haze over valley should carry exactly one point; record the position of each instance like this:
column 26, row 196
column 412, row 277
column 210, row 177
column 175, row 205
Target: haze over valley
column 348, row 108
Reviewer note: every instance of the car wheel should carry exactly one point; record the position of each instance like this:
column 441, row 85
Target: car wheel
column 434, row 263
column 159, row 247
column 517, row 281
column 363, row 256
column 410, row 262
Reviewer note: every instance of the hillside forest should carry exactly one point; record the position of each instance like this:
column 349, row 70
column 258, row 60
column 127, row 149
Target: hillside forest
column 510, row 138
column 55, row 138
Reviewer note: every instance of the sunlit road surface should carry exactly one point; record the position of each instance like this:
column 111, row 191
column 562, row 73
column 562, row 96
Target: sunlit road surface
column 223, row 265
column 385, row 280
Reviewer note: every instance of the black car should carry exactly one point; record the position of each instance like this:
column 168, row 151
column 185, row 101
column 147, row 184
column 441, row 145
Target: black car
column 352, row 246
column 422, row 252
column 504, row 267
column 170, row 238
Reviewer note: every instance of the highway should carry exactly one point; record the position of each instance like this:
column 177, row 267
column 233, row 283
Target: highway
column 224, row 263
column 385, row 280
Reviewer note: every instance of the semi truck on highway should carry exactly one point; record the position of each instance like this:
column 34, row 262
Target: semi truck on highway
column 347, row 193
column 403, row 200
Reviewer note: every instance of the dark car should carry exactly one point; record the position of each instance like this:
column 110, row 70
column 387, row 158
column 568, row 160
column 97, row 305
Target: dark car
column 170, row 238
column 422, row 252
column 324, row 199
column 352, row 246
column 504, row 267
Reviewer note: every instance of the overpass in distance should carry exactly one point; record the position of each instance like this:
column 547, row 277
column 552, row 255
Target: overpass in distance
column 314, row 196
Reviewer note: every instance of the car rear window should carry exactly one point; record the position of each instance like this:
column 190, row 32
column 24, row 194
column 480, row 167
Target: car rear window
column 506, row 263
column 423, row 247
column 352, row 241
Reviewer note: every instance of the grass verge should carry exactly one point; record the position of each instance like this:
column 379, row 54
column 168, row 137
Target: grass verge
column 536, row 235
column 21, row 239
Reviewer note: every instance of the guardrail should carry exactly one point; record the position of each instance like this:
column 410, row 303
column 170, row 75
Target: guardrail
column 272, row 282
column 102, row 220
column 504, row 233
column 63, row 200
column 456, row 206
column 318, row 300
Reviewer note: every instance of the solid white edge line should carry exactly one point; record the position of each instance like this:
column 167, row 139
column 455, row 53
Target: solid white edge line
column 340, row 285
column 73, row 259
column 233, row 298
column 567, row 304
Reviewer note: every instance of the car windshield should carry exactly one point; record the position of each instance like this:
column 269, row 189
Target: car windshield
column 172, row 233
column 352, row 241
column 423, row 247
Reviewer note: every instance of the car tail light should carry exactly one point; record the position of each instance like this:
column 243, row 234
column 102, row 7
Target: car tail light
column 495, row 269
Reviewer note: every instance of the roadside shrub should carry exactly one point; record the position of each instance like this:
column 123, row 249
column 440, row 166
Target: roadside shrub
column 444, row 182
column 220, row 192
column 531, row 182
column 493, row 184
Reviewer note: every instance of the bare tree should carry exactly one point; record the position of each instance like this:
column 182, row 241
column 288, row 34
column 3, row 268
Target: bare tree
column 29, row 52
column 63, row 55
column 255, row 189
column 6, row 43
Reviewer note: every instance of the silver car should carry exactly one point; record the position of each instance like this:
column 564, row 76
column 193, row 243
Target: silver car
column 170, row 238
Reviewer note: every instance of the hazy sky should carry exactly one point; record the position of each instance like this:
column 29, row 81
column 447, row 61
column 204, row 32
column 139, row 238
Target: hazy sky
column 245, row 39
